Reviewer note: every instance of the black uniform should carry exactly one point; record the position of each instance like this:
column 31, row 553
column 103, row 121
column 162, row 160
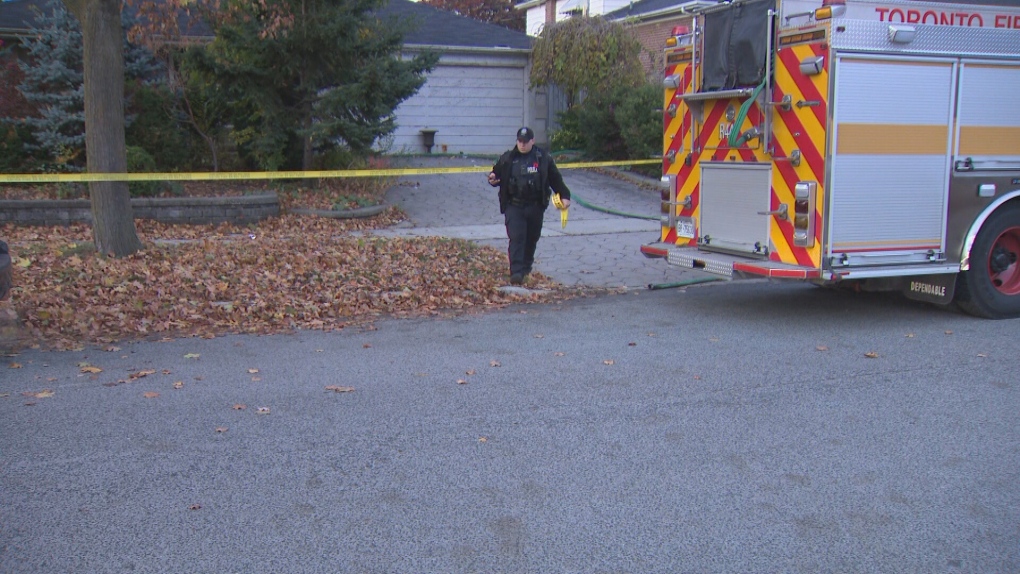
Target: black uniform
column 526, row 183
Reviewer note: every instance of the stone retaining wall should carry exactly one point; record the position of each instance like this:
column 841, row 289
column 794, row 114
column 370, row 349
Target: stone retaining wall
column 197, row 210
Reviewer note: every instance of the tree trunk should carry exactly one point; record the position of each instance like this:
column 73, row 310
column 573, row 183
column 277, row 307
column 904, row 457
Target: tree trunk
column 113, row 222
column 306, row 148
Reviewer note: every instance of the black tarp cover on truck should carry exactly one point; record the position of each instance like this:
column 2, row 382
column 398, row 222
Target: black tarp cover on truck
column 736, row 45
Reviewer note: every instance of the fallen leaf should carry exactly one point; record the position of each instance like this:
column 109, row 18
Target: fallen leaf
column 15, row 366
column 262, row 411
column 651, row 334
column 338, row 389
column 166, row 371
column 494, row 364
column 221, row 429
column 192, row 355
column 150, row 394
column 253, row 371
column 240, row 407
column 43, row 394
column 4, row 395
column 256, row 379
column 608, row 362
column 178, row 384
column 195, row 507
column 366, row 346
column 483, row 439
column 461, row 382
column 697, row 377
column 821, row 348
column 539, row 336
column 111, row 349
column 871, row 355
column 139, row 374
column 632, row 344
column 469, row 372
column 714, row 339
column 982, row 355
column 318, row 350
column 948, row 332
column 910, row 335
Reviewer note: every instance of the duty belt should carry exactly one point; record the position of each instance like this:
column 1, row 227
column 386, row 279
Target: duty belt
column 522, row 202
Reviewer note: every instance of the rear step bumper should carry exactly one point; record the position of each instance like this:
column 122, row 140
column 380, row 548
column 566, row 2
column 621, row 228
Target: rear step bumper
column 730, row 266
column 725, row 265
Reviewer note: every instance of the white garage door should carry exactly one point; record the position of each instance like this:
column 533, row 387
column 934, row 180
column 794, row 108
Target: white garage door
column 475, row 109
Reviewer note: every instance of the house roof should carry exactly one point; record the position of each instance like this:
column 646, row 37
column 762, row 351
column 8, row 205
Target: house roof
column 433, row 27
column 19, row 16
column 645, row 9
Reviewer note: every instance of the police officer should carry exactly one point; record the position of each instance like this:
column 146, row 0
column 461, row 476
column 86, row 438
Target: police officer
column 526, row 176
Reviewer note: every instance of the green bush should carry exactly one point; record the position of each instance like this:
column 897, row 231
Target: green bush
column 568, row 137
column 639, row 115
column 624, row 123
column 14, row 157
column 156, row 128
column 141, row 161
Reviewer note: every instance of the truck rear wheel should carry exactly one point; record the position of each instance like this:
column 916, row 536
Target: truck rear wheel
column 991, row 287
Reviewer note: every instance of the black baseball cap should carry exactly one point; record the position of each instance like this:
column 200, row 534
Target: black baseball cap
column 525, row 135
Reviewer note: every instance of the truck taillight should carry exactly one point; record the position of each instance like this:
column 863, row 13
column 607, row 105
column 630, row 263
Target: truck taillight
column 804, row 196
column 667, row 197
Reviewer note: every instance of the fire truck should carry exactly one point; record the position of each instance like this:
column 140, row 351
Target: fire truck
column 866, row 143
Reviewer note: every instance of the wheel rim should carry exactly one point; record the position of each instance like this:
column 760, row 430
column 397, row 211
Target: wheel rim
column 1003, row 264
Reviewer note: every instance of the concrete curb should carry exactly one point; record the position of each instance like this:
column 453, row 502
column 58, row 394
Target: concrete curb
column 343, row 214
column 198, row 210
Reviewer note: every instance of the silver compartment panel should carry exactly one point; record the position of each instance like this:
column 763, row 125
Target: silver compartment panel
column 732, row 197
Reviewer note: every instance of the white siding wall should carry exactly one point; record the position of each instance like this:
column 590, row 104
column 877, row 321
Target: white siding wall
column 476, row 102
column 536, row 14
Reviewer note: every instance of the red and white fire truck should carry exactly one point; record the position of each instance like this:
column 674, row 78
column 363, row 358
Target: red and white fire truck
column 863, row 142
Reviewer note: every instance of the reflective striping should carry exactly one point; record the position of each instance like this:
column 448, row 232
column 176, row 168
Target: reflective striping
column 808, row 90
column 802, row 129
column 272, row 175
column 988, row 140
column 783, row 273
column 676, row 126
column 811, row 145
column 891, row 139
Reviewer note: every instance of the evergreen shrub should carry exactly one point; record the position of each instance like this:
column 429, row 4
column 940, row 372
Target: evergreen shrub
column 141, row 161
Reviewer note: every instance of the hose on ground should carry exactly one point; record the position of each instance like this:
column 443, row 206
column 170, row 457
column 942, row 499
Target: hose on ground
column 684, row 283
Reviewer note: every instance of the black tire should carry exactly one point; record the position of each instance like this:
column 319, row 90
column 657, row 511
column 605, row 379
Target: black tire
column 991, row 287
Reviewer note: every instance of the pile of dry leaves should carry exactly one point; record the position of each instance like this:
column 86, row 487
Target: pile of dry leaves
column 290, row 272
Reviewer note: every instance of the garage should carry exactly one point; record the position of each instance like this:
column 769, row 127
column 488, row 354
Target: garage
column 474, row 106
column 477, row 96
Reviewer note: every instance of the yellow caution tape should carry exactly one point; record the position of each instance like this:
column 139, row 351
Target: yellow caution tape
column 556, row 201
column 268, row 175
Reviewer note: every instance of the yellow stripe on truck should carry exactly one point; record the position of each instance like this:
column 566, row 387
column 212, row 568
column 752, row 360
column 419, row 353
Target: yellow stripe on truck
column 988, row 140
column 891, row 139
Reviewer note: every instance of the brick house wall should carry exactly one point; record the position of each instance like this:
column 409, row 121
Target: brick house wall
column 652, row 36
